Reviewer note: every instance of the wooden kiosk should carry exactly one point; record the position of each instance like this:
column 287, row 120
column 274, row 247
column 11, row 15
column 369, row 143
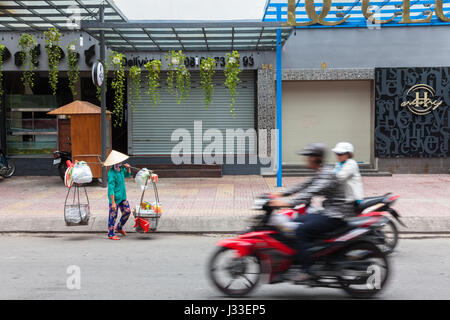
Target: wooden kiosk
column 79, row 132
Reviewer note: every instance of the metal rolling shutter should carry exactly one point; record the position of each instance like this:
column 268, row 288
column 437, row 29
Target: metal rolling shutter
column 327, row 112
column 151, row 127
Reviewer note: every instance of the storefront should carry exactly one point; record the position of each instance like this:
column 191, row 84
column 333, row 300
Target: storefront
column 30, row 135
column 346, row 74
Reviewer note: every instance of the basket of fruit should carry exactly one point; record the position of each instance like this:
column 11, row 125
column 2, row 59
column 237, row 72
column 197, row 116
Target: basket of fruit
column 147, row 214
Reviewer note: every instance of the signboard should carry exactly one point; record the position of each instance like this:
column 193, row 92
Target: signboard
column 98, row 73
column 412, row 114
column 365, row 13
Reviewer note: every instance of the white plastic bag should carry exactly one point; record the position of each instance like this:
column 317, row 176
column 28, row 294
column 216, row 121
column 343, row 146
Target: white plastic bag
column 81, row 173
column 141, row 178
column 76, row 214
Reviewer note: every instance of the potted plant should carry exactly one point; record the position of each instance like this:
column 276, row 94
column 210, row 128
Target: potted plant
column 73, row 72
column 118, row 85
column 26, row 44
column 154, row 70
column 178, row 76
column 207, row 71
column 52, row 37
column 232, row 71
column 135, row 84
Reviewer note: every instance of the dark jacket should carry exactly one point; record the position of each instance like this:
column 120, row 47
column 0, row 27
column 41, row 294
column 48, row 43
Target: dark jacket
column 324, row 183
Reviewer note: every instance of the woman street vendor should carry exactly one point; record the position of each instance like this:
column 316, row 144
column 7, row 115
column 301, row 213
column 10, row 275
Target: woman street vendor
column 116, row 192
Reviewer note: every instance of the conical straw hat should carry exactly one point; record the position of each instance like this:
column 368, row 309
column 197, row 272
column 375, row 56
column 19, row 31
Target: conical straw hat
column 114, row 158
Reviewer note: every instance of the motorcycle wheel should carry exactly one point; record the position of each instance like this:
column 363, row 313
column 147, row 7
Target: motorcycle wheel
column 11, row 169
column 390, row 233
column 241, row 274
column 367, row 270
column 62, row 170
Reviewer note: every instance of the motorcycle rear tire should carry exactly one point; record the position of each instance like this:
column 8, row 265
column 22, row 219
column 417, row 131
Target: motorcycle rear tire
column 389, row 248
column 375, row 253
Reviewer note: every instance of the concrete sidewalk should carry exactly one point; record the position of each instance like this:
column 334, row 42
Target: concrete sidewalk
column 36, row 204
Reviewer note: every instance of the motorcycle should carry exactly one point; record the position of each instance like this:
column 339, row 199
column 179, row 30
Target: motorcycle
column 369, row 207
column 377, row 206
column 7, row 166
column 347, row 258
column 60, row 159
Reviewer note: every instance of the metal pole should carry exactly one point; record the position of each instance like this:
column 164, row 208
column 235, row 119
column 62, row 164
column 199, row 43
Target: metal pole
column 3, row 129
column 103, row 96
column 279, row 104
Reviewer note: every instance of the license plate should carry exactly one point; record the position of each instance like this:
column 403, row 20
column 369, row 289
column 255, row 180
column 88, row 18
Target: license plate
column 57, row 161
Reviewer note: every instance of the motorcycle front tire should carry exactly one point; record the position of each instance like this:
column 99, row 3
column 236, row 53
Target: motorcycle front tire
column 11, row 169
column 225, row 289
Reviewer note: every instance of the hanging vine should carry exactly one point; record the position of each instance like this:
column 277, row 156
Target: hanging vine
column 135, row 85
column 26, row 45
column 118, row 85
column 2, row 50
column 154, row 70
column 232, row 72
column 52, row 37
column 207, row 71
column 178, row 76
column 73, row 72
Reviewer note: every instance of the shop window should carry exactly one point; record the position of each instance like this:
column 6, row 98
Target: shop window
column 30, row 131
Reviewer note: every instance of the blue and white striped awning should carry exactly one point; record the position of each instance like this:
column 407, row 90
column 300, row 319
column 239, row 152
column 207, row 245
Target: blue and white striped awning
column 382, row 9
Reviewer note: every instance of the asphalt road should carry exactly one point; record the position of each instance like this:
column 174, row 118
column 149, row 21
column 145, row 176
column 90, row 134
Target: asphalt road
column 173, row 266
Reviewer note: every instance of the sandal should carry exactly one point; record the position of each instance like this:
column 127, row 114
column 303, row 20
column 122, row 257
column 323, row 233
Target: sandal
column 120, row 231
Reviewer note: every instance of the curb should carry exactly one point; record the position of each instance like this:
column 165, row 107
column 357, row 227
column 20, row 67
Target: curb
column 194, row 224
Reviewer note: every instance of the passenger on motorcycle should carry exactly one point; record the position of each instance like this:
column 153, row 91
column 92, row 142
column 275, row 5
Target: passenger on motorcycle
column 347, row 171
column 331, row 217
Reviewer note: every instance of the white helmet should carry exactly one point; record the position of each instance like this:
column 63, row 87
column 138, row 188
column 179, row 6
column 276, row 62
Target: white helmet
column 343, row 147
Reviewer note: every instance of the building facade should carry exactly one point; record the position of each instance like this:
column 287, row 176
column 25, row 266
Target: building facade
column 380, row 84
column 385, row 88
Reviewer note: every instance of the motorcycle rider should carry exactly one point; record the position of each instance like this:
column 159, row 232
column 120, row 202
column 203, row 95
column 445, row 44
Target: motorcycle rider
column 331, row 217
column 347, row 171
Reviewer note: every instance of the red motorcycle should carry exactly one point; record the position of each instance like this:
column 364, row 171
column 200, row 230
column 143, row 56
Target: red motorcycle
column 369, row 207
column 347, row 258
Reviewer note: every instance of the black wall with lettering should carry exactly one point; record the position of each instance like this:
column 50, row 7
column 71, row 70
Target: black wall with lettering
column 412, row 120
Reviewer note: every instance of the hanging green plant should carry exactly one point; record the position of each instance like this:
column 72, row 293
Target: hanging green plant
column 28, row 57
column 2, row 50
column 52, row 37
column 232, row 71
column 207, row 71
column 135, row 85
column 178, row 76
column 154, row 69
column 118, row 85
column 73, row 72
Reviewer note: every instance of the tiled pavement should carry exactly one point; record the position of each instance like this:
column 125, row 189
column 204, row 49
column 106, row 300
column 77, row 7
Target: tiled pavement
column 207, row 204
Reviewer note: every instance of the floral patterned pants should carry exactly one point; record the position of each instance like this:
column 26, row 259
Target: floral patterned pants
column 125, row 209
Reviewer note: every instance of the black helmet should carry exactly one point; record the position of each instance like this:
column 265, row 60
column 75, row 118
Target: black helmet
column 314, row 150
